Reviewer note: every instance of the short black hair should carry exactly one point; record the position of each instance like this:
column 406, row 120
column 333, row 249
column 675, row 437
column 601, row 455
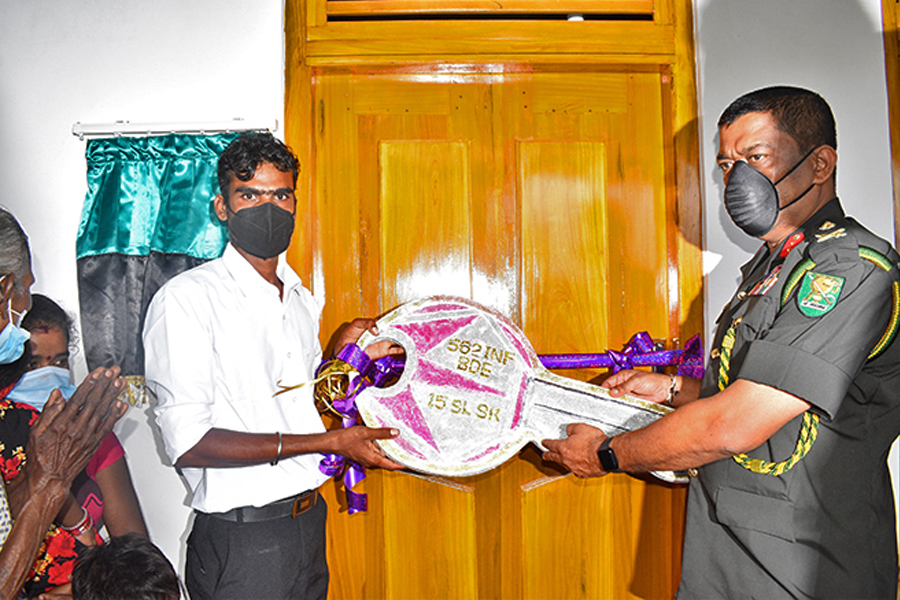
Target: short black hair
column 127, row 567
column 802, row 114
column 244, row 155
column 47, row 313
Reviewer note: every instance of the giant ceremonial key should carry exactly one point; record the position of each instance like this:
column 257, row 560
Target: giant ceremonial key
column 473, row 392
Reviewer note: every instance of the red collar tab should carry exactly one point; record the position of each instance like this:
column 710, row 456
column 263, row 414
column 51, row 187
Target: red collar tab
column 790, row 244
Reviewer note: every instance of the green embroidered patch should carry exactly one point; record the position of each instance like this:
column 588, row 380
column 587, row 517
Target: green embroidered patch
column 818, row 293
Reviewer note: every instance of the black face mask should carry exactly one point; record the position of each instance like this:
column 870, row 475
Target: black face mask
column 263, row 231
column 752, row 201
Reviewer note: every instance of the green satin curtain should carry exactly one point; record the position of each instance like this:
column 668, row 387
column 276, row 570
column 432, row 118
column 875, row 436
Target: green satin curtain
column 147, row 216
column 152, row 194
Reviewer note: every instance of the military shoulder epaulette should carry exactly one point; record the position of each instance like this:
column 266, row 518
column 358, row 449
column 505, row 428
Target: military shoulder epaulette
column 819, row 292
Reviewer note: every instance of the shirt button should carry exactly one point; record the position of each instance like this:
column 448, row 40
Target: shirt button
column 714, row 354
column 741, row 295
column 737, row 322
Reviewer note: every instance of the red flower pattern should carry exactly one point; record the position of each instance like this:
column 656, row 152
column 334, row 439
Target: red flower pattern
column 11, row 467
column 60, row 550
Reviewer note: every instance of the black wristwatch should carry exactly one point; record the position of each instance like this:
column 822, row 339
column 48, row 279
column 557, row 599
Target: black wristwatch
column 607, row 457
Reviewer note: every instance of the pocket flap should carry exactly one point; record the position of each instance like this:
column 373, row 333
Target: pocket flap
column 746, row 510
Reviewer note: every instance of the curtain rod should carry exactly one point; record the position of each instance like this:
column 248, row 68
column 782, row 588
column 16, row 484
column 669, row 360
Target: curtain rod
column 120, row 128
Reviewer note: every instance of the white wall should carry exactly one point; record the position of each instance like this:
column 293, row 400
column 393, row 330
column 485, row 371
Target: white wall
column 98, row 61
column 834, row 47
column 199, row 60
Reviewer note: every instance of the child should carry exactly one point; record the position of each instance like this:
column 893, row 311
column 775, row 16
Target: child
column 126, row 568
column 103, row 493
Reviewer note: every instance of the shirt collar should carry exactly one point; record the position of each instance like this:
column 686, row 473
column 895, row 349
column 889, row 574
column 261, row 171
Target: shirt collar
column 249, row 279
column 832, row 211
column 287, row 274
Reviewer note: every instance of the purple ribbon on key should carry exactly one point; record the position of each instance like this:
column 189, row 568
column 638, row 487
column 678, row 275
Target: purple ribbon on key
column 638, row 352
column 334, row 465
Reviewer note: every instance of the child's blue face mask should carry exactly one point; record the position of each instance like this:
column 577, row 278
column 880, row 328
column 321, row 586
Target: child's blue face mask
column 35, row 386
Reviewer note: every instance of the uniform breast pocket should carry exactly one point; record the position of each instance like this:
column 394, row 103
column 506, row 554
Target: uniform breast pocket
column 745, row 510
column 753, row 318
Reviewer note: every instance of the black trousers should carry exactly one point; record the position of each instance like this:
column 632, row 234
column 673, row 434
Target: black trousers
column 271, row 560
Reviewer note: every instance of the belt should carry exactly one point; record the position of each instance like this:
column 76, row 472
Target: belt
column 289, row 507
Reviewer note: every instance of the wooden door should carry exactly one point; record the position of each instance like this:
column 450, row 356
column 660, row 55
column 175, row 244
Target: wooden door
column 547, row 196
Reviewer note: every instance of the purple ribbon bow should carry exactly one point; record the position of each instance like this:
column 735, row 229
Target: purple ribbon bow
column 334, row 465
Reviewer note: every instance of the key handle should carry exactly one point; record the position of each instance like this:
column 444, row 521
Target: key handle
column 473, row 391
column 459, row 401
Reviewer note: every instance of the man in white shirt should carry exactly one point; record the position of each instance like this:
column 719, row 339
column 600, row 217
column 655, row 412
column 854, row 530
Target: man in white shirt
column 218, row 340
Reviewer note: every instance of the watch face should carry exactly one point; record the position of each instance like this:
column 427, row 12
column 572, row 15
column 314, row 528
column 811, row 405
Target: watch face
column 605, row 462
column 607, row 458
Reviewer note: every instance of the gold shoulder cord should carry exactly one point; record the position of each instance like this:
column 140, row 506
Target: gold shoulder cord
column 810, row 426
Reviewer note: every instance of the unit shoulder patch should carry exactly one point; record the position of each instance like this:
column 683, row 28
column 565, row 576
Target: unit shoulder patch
column 819, row 293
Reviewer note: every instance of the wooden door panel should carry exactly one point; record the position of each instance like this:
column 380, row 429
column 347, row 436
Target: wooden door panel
column 432, row 552
column 399, row 96
column 563, row 205
column 578, row 93
column 590, row 539
column 337, row 270
column 638, row 216
column 424, row 220
column 418, row 114
column 542, row 195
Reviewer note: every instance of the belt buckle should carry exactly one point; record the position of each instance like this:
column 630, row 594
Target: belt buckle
column 304, row 503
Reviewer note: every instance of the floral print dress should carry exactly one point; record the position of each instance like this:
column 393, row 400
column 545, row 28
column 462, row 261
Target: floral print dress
column 60, row 550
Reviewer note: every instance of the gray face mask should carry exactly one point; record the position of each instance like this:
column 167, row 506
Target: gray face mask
column 752, row 201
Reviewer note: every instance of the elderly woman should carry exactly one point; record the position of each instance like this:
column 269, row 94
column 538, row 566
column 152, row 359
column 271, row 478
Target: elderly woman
column 61, row 439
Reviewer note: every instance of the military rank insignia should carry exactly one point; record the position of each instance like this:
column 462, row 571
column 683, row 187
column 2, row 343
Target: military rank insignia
column 818, row 293
column 831, row 235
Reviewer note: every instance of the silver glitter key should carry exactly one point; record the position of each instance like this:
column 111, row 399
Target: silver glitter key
column 473, row 392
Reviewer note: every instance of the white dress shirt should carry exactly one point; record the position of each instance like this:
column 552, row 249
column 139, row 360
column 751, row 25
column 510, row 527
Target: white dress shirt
column 217, row 341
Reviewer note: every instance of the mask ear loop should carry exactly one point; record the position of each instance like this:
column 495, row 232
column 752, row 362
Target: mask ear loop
column 228, row 206
column 20, row 315
column 785, row 176
column 9, row 309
